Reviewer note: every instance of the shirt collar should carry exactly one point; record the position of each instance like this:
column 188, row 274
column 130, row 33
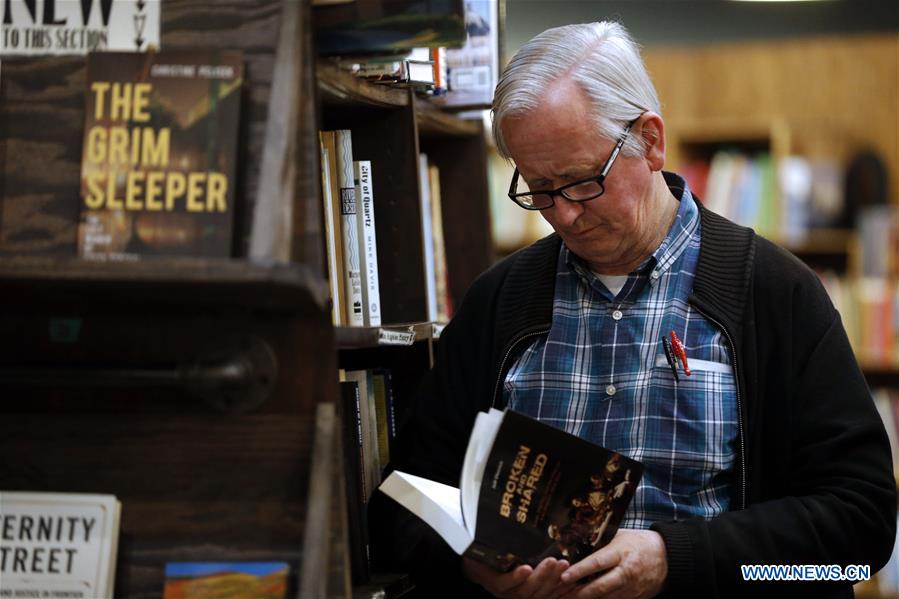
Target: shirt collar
column 685, row 225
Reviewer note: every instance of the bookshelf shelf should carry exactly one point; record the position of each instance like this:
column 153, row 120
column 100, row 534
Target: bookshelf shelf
column 340, row 87
column 822, row 241
column 172, row 281
column 397, row 335
column 435, row 122
column 880, row 374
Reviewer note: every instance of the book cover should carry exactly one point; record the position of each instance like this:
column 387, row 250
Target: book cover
column 368, row 243
column 58, row 544
column 159, row 152
column 349, row 229
column 226, row 580
column 527, row 491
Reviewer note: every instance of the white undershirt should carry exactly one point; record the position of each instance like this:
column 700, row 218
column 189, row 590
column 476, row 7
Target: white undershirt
column 613, row 283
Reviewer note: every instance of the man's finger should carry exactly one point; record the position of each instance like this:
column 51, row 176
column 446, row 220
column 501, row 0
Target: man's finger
column 605, row 559
column 508, row 581
column 604, row 586
column 548, row 581
column 543, row 573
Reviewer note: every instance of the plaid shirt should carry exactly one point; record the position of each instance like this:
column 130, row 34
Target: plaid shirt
column 601, row 374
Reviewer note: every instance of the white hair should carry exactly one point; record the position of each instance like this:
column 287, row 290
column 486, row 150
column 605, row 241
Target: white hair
column 600, row 58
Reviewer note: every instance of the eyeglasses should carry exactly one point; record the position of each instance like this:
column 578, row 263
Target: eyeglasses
column 578, row 191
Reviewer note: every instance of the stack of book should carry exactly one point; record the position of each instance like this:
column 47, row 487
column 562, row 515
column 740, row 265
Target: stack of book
column 351, row 238
column 369, row 432
column 352, row 248
column 783, row 199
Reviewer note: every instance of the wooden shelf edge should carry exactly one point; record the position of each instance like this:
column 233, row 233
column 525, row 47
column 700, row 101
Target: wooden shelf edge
column 339, row 86
column 289, row 280
column 433, row 121
column 393, row 335
column 820, row 241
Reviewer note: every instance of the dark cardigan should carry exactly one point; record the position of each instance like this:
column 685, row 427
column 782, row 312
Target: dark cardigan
column 814, row 480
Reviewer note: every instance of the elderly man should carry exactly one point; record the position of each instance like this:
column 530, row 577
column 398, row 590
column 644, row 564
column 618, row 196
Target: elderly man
column 768, row 451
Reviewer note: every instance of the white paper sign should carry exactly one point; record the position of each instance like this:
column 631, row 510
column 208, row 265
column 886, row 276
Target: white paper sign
column 57, row 545
column 76, row 27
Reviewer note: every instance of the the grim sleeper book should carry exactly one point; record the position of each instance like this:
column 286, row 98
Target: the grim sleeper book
column 159, row 154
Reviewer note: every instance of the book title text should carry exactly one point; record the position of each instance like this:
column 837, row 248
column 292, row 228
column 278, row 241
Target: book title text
column 42, row 544
column 130, row 165
column 521, row 484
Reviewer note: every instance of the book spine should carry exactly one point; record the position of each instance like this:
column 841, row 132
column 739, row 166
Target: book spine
column 369, row 429
column 441, row 275
column 368, row 245
column 374, row 461
column 380, row 393
column 350, row 232
column 331, row 239
column 427, row 235
column 391, row 408
column 355, row 481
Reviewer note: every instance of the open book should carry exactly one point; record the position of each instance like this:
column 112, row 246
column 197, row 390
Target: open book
column 528, row 491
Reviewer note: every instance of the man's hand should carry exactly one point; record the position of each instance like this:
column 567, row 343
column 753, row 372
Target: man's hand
column 633, row 566
column 542, row 582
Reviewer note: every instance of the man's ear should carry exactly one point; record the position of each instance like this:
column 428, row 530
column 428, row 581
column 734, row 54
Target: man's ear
column 651, row 128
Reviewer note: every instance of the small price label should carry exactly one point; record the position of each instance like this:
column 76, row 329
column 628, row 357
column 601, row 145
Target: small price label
column 396, row 337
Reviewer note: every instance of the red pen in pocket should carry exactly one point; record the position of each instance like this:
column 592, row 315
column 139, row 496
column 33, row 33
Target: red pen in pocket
column 679, row 351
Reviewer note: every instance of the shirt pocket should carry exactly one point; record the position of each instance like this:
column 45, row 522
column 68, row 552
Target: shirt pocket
column 695, row 366
column 694, row 424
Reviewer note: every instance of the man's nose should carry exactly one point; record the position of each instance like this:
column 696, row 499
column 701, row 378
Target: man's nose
column 566, row 212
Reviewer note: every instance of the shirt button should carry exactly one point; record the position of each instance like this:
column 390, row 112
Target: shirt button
column 610, row 390
column 654, row 275
column 617, row 314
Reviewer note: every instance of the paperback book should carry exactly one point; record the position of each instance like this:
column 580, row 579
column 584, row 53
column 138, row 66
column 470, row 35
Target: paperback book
column 527, row 491
column 226, row 580
column 158, row 161
column 58, row 544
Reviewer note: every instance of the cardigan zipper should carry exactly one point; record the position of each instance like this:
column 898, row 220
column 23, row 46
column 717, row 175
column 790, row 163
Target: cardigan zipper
column 502, row 365
column 733, row 349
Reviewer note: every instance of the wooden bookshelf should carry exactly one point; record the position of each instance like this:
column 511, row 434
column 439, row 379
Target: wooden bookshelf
column 200, row 392
column 391, row 127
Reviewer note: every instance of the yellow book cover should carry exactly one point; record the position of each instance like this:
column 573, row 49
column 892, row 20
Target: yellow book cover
column 159, row 154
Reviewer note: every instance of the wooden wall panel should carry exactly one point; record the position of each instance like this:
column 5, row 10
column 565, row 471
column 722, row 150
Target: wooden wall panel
column 837, row 94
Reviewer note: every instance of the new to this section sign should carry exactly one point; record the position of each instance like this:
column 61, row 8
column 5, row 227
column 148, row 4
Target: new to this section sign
column 75, row 27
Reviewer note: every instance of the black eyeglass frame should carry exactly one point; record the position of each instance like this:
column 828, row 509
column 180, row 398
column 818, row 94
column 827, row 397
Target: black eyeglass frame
column 552, row 193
